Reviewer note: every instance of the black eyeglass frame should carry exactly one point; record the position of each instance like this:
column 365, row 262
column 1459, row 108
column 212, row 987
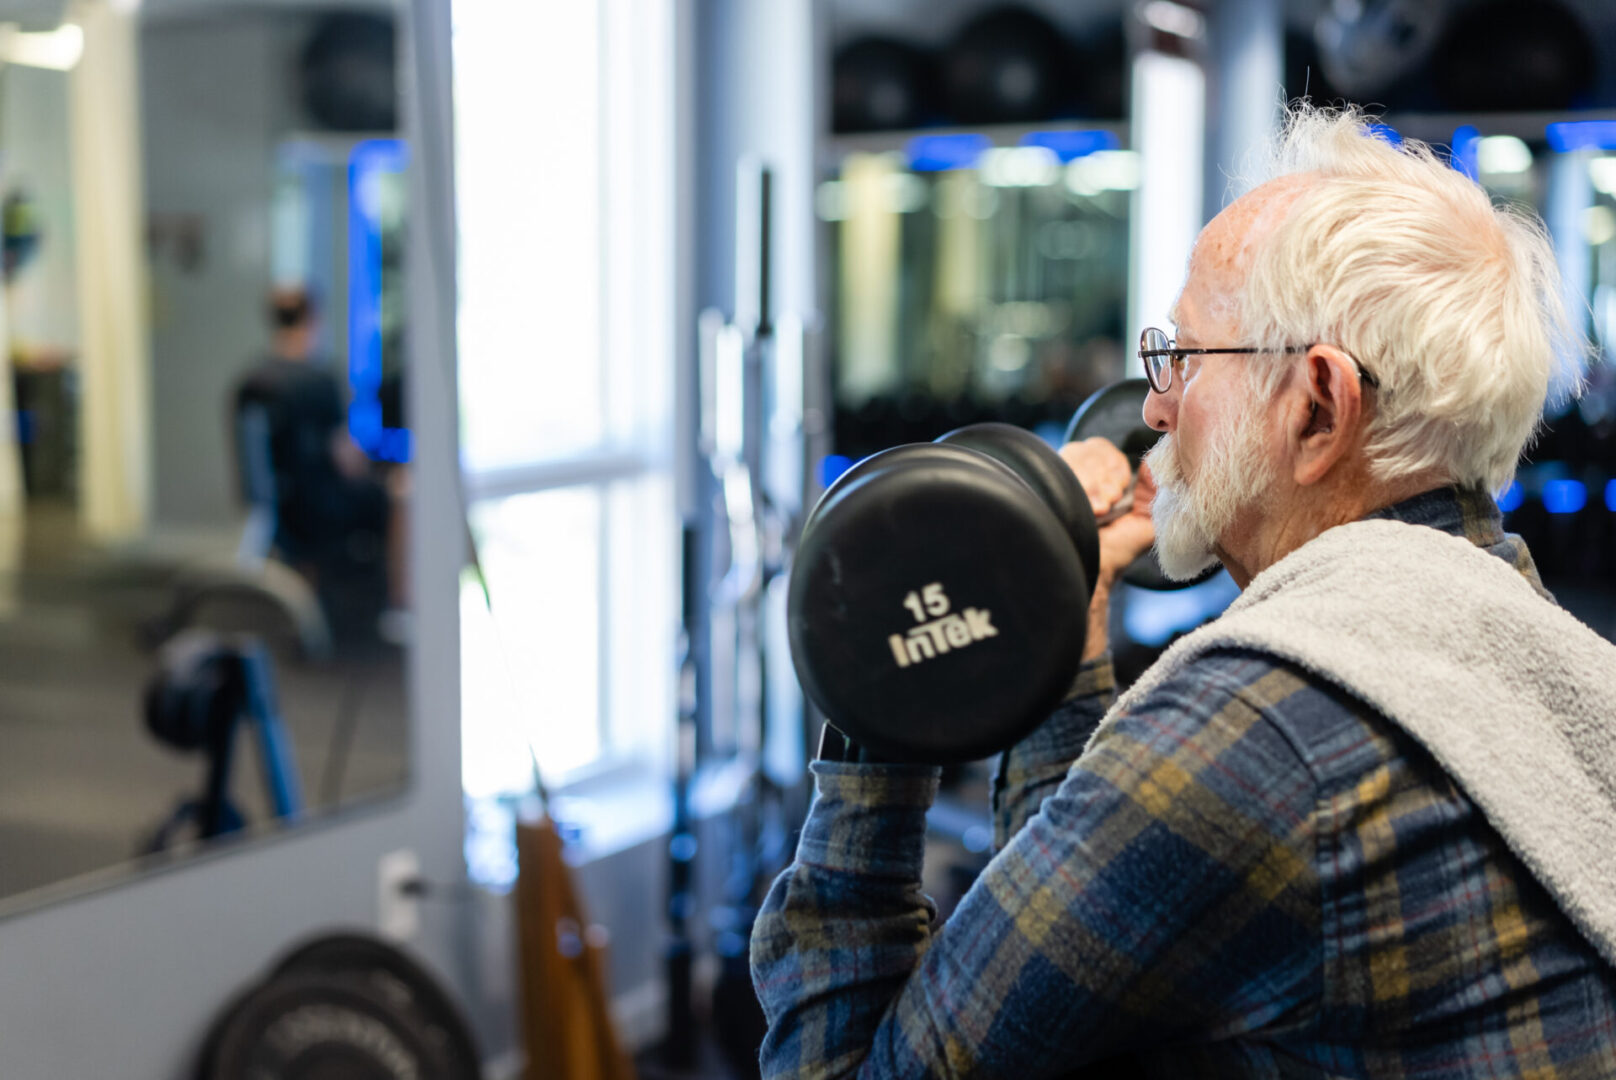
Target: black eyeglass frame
column 1178, row 354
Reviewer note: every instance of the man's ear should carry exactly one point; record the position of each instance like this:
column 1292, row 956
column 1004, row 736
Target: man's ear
column 1328, row 428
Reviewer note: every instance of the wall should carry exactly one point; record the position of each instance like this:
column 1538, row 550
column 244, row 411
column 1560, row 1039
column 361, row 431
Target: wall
column 121, row 983
column 34, row 157
column 216, row 99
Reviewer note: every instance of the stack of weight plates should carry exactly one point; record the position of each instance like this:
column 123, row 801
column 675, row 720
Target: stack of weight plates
column 345, row 1006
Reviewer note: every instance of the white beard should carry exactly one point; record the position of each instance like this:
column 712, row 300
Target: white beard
column 1191, row 518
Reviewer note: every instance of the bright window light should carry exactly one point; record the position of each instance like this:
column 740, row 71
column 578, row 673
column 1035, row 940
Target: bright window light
column 1019, row 166
column 1107, row 170
column 58, row 50
column 1169, row 97
column 1503, row 154
column 1179, row 20
column 528, row 180
column 564, row 166
column 1598, row 225
column 1602, row 171
column 538, row 665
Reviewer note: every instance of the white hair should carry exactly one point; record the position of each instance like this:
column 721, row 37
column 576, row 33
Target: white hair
column 1452, row 303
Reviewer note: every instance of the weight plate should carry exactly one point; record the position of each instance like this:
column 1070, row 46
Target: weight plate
column 322, row 1026
column 396, row 977
column 936, row 606
column 1117, row 413
column 1050, row 478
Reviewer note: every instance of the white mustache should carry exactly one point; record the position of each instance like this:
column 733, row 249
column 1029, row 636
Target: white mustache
column 1164, row 465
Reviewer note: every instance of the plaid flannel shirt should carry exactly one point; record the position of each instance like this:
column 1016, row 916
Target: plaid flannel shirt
column 1252, row 875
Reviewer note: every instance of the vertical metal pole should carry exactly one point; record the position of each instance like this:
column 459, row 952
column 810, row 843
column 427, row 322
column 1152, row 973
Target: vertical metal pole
column 1245, row 81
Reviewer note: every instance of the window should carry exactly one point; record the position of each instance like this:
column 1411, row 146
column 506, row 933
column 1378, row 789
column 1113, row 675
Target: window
column 564, row 124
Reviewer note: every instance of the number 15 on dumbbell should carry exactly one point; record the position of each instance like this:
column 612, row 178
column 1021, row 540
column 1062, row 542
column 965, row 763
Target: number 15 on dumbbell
column 940, row 631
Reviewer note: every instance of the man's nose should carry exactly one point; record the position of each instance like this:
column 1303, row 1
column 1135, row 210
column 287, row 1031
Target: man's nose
column 1161, row 410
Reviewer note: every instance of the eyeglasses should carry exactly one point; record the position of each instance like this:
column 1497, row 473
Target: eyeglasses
column 1160, row 356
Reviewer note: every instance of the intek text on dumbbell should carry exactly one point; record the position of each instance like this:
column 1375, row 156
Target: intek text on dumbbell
column 943, row 633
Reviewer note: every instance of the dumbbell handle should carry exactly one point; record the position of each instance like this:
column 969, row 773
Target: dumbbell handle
column 1122, row 507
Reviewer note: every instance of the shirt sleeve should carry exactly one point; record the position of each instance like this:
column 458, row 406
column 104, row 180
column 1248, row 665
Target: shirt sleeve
column 1030, row 771
column 1164, row 893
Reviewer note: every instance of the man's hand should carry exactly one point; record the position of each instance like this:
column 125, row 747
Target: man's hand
column 1129, row 536
column 1103, row 471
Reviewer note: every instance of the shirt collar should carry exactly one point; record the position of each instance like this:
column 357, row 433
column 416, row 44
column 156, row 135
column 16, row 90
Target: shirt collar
column 1470, row 513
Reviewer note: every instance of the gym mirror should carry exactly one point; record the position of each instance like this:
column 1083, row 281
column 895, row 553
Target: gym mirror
column 205, row 461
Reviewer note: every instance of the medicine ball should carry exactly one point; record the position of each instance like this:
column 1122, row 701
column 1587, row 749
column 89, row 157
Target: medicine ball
column 1368, row 46
column 1100, row 59
column 348, row 72
column 1304, row 74
column 197, row 690
column 1008, row 65
column 880, row 84
column 1528, row 55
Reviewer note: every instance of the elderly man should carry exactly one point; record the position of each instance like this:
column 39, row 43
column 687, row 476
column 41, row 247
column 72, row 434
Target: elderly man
column 1364, row 824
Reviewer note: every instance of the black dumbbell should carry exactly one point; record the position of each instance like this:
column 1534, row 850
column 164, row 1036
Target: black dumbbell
column 938, row 601
column 1116, row 413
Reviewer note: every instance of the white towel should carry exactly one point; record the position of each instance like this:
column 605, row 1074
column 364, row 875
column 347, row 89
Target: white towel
column 1512, row 695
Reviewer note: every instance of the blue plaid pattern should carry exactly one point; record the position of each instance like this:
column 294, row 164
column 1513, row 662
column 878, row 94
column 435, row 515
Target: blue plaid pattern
column 1250, row 875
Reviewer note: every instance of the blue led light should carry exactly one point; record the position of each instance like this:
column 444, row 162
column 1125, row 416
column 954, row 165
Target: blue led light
column 1071, row 145
column 831, row 467
column 1564, row 496
column 936, row 153
column 1466, row 145
column 368, row 159
column 1384, row 131
column 1610, row 495
column 1582, row 135
column 1512, row 497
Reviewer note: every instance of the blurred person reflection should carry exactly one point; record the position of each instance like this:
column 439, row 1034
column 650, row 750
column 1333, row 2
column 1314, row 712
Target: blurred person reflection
column 338, row 517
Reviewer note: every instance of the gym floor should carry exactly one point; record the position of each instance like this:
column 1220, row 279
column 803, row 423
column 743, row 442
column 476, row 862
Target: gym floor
column 83, row 786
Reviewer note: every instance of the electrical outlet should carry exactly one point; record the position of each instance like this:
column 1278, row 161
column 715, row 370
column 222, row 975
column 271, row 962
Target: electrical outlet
column 398, row 911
